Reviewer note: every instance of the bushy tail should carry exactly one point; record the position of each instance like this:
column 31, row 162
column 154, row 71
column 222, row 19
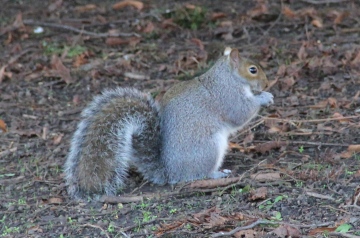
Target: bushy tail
column 118, row 129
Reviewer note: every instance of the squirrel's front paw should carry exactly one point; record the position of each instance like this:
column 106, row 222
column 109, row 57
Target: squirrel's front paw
column 266, row 98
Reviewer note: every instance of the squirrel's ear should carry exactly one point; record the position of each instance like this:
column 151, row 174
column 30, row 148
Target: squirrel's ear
column 235, row 56
column 227, row 50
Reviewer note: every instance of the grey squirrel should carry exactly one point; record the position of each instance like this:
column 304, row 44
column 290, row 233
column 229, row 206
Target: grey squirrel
column 183, row 137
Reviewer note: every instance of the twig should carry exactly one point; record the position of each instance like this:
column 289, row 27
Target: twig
column 136, row 225
column 323, row 1
column 73, row 29
column 122, row 199
column 259, row 222
column 270, row 27
column 98, row 227
column 313, row 120
column 317, row 195
column 307, row 143
column 341, row 234
column 232, row 232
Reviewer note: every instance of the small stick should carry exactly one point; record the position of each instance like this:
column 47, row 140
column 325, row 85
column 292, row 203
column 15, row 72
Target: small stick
column 73, row 29
column 98, row 227
column 323, row 1
column 317, row 195
column 313, row 120
column 307, row 143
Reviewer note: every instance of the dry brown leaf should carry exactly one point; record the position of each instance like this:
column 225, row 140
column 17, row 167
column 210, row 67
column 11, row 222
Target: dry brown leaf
column 354, row 148
column 149, row 28
column 54, row 200
column 287, row 82
column 320, row 105
column 317, row 22
column 356, row 60
column 340, row 17
column 235, row 146
column 18, row 23
column 190, row 6
column 259, row 193
column 302, row 54
column 281, row 70
column 57, row 139
column 225, row 29
column 273, row 130
column 198, row 43
column 249, row 138
column 212, row 183
column 265, row 177
column 246, row 233
column 113, row 41
column 85, row 8
column 60, row 70
column 287, row 231
column 137, row 4
column 321, row 230
column 262, row 148
column 3, row 126
column 80, row 60
column 55, row 5
column 2, row 72
column 34, row 229
column 332, row 102
column 288, row 12
column 217, row 15
column 258, row 10
column 169, row 227
column 350, row 151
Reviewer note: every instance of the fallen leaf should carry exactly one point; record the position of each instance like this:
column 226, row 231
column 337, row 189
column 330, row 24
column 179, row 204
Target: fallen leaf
column 55, row 200
column 340, row 17
column 262, row 148
column 2, row 72
column 34, row 229
column 354, row 148
column 113, row 41
column 302, row 54
column 190, row 6
column 258, row 10
column 350, row 151
column 85, row 8
column 259, row 193
column 321, row 230
column 198, row 43
column 57, row 139
column 55, row 5
column 287, row 231
column 3, row 126
column 137, row 4
column 265, row 177
column 217, row 15
column 332, row 102
column 60, row 70
column 149, row 28
column 164, row 228
column 288, row 12
column 317, row 22
column 246, row 233
column 286, row 83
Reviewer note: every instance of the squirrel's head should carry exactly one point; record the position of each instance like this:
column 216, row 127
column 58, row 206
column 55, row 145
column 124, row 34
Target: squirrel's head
column 247, row 69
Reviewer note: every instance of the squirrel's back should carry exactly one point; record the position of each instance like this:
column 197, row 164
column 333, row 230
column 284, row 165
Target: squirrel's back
column 118, row 129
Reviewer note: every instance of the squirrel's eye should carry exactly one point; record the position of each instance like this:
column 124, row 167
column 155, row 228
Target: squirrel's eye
column 253, row 69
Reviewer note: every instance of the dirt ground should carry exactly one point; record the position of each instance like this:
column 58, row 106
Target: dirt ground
column 296, row 168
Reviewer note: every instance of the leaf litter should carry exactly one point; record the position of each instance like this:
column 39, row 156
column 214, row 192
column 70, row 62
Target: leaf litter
column 305, row 148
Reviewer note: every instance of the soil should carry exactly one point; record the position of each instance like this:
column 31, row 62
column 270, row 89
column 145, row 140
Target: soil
column 295, row 168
